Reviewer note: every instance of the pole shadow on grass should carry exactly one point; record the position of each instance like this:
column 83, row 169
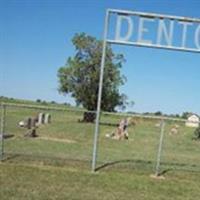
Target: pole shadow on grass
column 130, row 162
column 142, row 164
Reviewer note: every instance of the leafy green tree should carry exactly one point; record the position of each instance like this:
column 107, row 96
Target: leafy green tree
column 38, row 100
column 80, row 75
column 185, row 115
column 158, row 113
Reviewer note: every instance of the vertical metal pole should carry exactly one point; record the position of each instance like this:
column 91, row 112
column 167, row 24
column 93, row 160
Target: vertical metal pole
column 2, row 131
column 160, row 148
column 96, row 133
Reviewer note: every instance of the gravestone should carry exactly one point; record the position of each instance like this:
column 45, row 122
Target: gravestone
column 31, row 132
column 121, row 132
column 28, row 123
column 41, row 118
column 47, row 118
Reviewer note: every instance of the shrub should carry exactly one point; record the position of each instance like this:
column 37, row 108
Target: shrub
column 197, row 133
column 44, row 103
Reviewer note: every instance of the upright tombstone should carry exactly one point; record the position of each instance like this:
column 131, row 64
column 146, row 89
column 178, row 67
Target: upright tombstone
column 31, row 125
column 28, row 123
column 47, row 118
column 41, row 118
column 121, row 132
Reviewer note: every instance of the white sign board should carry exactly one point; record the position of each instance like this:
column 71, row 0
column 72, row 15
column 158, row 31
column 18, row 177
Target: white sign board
column 153, row 30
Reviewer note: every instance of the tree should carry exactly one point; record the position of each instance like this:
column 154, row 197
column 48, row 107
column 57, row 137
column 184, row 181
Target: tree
column 38, row 101
column 158, row 113
column 80, row 75
column 185, row 115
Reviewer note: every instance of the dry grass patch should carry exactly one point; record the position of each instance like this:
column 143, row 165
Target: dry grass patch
column 56, row 139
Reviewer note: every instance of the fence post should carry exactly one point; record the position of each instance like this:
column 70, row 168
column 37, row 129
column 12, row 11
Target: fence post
column 157, row 172
column 2, row 130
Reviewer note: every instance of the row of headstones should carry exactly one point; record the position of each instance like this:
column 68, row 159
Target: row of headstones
column 44, row 118
column 31, row 122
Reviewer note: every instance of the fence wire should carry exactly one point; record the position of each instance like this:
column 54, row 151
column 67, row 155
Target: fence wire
column 65, row 136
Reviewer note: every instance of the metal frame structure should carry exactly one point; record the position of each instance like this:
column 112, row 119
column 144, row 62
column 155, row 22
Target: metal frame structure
column 98, row 112
column 105, row 41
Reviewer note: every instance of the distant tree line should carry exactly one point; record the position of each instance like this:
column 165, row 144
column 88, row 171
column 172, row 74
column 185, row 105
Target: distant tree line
column 39, row 101
column 51, row 102
column 184, row 115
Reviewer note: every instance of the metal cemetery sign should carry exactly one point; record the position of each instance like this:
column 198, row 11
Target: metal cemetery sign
column 158, row 31
column 145, row 30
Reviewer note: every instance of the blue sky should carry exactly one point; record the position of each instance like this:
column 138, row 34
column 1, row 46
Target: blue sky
column 35, row 40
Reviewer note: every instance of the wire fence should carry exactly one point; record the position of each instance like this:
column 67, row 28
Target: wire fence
column 59, row 135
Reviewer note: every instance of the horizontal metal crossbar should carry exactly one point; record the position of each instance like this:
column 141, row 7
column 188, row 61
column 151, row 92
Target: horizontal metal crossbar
column 153, row 46
column 154, row 15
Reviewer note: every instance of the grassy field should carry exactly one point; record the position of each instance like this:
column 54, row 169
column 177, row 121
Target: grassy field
column 57, row 164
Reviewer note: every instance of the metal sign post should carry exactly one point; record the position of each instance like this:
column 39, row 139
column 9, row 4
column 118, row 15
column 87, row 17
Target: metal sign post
column 136, row 35
column 96, row 134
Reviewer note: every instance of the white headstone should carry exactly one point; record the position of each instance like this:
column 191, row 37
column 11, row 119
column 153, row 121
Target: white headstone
column 41, row 117
column 47, row 118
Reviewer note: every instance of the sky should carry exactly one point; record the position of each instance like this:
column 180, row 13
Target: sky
column 35, row 41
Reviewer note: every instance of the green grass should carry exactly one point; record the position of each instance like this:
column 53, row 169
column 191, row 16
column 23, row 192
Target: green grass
column 20, row 182
column 60, row 167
